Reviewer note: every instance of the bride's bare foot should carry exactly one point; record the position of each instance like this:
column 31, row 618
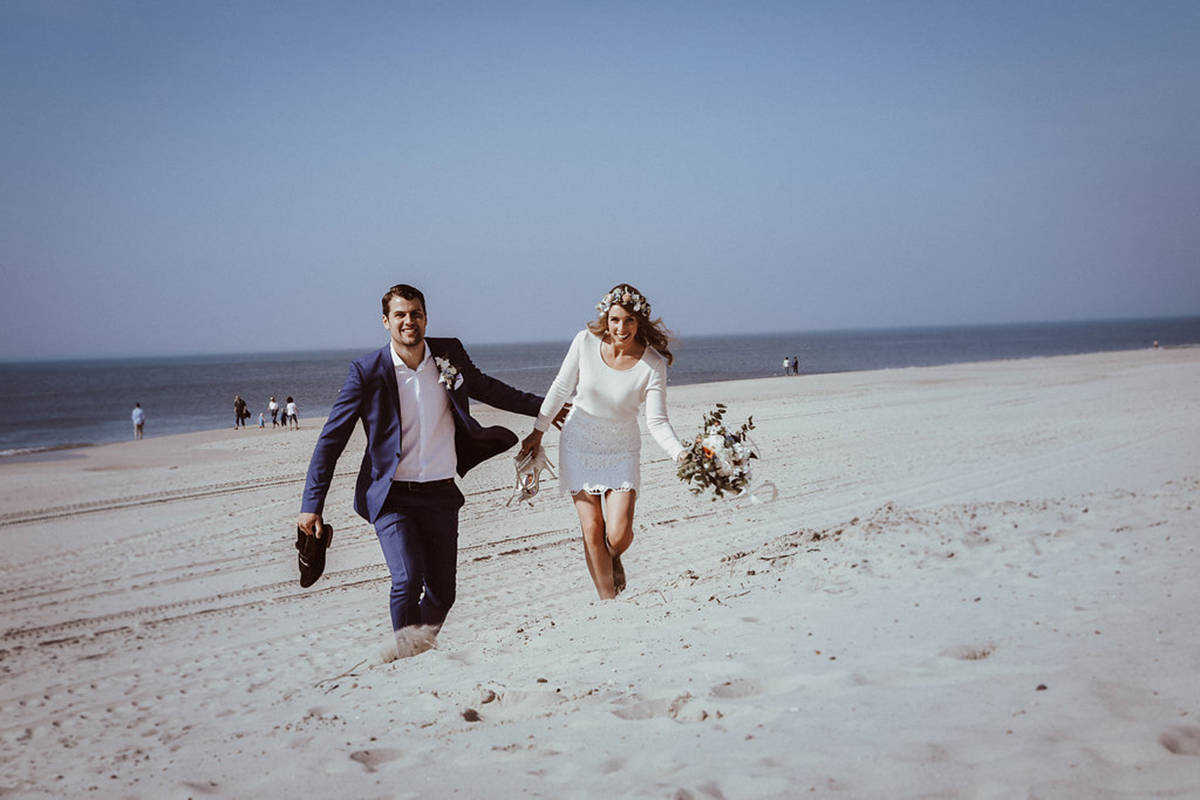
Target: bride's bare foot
column 618, row 575
column 618, row 570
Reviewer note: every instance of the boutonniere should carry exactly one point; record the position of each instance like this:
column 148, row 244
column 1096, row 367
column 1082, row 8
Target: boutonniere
column 447, row 373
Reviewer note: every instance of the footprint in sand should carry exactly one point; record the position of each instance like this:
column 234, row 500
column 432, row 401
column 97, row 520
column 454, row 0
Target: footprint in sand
column 612, row 765
column 680, row 709
column 970, row 652
column 636, row 709
column 202, row 788
column 373, row 759
column 1182, row 741
column 739, row 687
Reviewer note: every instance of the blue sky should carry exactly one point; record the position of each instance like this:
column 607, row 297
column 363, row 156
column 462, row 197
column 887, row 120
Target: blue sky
column 251, row 176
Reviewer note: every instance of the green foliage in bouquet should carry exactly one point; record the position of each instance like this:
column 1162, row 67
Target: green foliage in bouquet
column 720, row 457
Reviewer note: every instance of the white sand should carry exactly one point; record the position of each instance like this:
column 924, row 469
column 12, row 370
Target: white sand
column 978, row 581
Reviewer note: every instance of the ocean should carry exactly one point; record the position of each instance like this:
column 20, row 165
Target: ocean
column 58, row 404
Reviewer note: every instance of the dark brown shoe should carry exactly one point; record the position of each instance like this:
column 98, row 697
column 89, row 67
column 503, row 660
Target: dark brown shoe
column 312, row 554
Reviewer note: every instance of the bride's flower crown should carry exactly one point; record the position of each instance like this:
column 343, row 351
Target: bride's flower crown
column 623, row 296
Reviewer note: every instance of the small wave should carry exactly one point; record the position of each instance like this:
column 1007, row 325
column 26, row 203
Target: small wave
column 25, row 451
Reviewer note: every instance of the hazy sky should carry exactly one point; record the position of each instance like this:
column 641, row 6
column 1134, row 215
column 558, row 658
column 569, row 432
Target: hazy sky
column 251, row 176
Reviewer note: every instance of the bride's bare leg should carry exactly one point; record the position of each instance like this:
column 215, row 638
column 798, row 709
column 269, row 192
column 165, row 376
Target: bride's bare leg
column 591, row 520
column 620, row 520
column 619, row 532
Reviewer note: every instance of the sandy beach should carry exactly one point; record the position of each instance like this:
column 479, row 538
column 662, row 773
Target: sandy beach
column 977, row 581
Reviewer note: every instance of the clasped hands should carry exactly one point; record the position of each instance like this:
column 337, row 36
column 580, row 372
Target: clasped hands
column 530, row 443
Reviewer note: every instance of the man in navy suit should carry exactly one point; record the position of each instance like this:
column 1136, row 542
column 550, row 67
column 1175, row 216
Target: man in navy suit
column 413, row 397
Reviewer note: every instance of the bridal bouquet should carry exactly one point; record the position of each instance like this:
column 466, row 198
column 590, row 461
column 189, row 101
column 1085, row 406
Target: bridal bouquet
column 720, row 457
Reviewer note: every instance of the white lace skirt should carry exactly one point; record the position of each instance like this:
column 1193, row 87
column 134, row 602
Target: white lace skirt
column 596, row 455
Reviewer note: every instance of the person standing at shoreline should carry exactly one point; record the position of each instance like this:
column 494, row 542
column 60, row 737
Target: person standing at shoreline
column 273, row 407
column 291, row 414
column 139, row 421
column 614, row 366
column 413, row 397
column 239, row 412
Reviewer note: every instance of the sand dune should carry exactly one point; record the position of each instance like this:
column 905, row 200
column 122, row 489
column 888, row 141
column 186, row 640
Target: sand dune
column 977, row 581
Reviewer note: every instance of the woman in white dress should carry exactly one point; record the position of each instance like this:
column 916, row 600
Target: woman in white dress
column 613, row 366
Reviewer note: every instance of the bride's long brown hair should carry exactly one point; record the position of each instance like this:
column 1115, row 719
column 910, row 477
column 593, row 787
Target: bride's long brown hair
column 650, row 332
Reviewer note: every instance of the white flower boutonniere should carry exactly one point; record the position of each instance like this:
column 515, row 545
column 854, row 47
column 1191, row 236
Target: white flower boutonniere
column 447, row 373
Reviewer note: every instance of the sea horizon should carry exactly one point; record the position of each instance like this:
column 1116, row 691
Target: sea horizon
column 683, row 337
column 64, row 403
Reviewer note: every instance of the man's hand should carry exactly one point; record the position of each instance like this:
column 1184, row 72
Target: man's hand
column 561, row 416
column 311, row 524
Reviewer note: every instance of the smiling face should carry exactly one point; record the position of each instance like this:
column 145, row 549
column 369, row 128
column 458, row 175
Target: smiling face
column 622, row 325
column 405, row 321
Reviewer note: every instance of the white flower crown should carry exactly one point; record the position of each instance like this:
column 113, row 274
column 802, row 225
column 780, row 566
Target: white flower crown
column 623, row 296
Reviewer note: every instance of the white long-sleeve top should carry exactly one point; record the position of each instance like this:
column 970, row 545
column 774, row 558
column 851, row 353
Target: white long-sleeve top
column 612, row 394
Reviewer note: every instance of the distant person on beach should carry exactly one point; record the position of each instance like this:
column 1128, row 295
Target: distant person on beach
column 787, row 365
column 795, row 365
column 614, row 366
column 239, row 412
column 291, row 414
column 139, row 421
column 262, row 420
column 273, row 407
column 413, row 397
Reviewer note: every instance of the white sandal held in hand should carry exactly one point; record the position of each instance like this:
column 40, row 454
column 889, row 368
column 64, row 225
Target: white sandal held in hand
column 529, row 474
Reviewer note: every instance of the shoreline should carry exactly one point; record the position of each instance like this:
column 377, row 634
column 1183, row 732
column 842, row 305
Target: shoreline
column 49, row 452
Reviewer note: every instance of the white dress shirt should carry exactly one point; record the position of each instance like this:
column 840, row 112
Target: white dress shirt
column 426, row 423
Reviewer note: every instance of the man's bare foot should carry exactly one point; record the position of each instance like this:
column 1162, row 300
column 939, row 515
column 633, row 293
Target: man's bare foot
column 414, row 640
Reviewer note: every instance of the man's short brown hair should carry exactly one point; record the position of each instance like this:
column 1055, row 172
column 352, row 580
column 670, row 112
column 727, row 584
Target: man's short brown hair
column 405, row 291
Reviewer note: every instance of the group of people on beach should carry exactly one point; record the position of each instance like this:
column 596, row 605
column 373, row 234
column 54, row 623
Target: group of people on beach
column 281, row 416
column 413, row 399
column 284, row 416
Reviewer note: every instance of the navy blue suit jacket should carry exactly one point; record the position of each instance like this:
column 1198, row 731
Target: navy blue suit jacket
column 370, row 394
